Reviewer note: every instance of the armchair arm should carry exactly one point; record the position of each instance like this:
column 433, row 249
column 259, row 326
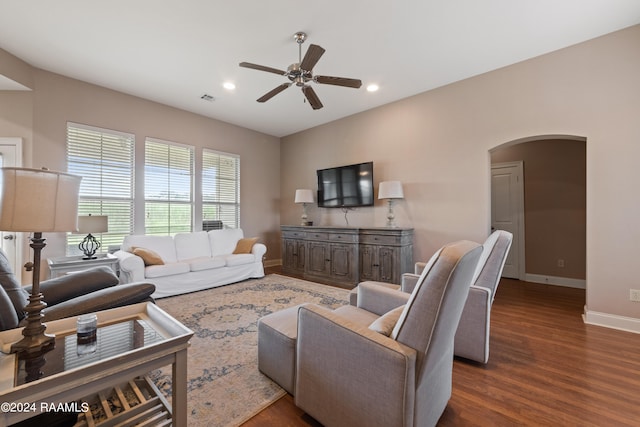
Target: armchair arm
column 353, row 294
column 104, row 299
column 73, row 285
column 472, row 335
column 131, row 267
column 409, row 282
column 380, row 298
column 350, row 375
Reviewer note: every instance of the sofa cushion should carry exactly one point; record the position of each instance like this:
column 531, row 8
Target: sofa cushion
column 17, row 295
column 192, row 245
column 244, row 245
column 148, row 256
column 239, row 259
column 8, row 317
column 166, row 270
column 384, row 324
column 162, row 245
column 205, row 263
column 223, row 242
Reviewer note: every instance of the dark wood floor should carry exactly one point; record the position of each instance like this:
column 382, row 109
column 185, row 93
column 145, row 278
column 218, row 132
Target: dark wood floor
column 546, row 368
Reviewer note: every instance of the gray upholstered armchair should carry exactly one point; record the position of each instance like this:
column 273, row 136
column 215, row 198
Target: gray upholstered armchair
column 472, row 337
column 350, row 373
column 71, row 295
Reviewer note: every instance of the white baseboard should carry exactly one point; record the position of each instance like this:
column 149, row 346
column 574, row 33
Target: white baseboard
column 272, row 262
column 612, row 321
column 555, row 280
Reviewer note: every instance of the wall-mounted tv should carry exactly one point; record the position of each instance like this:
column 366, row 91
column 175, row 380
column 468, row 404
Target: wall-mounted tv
column 346, row 186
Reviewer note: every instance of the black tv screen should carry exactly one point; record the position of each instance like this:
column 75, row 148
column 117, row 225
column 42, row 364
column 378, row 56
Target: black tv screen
column 346, row 186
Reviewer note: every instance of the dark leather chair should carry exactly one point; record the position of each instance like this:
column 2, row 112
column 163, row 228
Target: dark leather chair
column 79, row 293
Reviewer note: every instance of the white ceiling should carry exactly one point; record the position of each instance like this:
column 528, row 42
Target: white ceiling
column 174, row 51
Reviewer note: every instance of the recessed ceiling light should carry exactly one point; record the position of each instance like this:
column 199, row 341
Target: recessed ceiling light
column 228, row 85
column 372, row 88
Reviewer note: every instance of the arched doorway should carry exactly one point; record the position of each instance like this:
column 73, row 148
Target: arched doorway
column 553, row 233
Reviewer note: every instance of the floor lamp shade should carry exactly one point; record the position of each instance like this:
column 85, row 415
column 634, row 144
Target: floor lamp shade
column 38, row 200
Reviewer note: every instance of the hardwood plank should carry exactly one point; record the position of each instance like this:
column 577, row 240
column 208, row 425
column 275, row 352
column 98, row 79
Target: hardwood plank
column 546, row 368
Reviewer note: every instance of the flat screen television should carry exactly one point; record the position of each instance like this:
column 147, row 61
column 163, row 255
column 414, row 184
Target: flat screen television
column 346, row 186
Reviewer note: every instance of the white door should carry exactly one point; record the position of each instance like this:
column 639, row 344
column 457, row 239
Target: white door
column 507, row 212
column 11, row 242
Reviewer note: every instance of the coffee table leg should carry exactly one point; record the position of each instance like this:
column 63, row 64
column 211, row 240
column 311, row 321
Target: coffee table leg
column 179, row 393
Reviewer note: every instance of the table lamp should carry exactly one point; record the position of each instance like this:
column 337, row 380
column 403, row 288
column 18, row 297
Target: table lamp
column 37, row 201
column 390, row 190
column 304, row 196
column 88, row 224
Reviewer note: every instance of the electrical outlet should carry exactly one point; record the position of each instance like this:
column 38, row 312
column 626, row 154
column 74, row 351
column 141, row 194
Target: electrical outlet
column 634, row 295
column 561, row 263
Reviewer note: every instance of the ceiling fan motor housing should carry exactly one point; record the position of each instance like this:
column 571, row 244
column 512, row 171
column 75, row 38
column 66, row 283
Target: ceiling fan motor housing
column 298, row 75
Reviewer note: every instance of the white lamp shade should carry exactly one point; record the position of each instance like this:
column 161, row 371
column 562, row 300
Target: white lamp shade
column 93, row 224
column 390, row 190
column 38, row 200
column 304, row 196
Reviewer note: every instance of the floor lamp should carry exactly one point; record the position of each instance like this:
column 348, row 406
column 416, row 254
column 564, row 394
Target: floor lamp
column 37, row 201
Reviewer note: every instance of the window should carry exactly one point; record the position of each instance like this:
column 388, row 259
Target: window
column 221, row 188
column 104, row 159
column 168, row 187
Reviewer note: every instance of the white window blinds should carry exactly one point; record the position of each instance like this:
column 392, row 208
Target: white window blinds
column 104, row 159
column 168, row 187
column 221, row 187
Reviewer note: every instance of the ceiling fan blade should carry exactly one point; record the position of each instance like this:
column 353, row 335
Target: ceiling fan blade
column 262, row 68
column 311, row 96
column 267, row 96
column 311, row 57
column 338, row 81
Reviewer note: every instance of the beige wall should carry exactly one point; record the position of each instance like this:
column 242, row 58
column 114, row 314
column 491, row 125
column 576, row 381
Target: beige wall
column 41, row 117
column 554, row 204
column 437, row 143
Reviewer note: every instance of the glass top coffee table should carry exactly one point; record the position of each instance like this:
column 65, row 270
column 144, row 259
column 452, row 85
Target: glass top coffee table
column 131, row 341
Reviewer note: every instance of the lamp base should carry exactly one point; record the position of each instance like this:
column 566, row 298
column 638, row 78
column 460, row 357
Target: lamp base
column 34, row 338
column 89, row 246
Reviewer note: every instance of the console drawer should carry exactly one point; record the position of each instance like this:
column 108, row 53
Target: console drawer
column 290, row 234
column 380, row 239
column 311, row 235
column 343, row 237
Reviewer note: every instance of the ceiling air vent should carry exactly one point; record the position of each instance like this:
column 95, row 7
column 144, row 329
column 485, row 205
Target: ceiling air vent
column 207, row 97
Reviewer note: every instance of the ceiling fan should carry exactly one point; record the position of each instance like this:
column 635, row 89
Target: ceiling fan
column 301, row 73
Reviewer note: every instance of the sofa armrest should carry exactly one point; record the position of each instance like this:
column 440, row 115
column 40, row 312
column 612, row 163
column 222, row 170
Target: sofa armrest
column 335, row 358
column 259, row 249
column 104, row 299
column 131, row 267
column 76, row 284
column 472, row 335
column 380, row 298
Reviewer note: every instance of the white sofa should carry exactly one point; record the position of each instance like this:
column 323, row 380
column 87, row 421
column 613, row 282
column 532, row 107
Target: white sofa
column 192, row 261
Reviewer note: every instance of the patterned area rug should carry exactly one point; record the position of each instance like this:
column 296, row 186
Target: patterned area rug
column 225, row 387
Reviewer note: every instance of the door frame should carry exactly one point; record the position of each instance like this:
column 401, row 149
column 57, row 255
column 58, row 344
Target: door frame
column 519, row 195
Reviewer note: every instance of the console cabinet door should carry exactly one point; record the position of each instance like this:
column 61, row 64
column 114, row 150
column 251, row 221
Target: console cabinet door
column 368, row 263
column 294, row 255
column 318, row 260
column 342, row 263
column 388, row 264
column 378, row 263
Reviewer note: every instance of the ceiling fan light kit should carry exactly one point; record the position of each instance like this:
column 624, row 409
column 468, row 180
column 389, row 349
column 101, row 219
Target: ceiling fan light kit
column 301, row 74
